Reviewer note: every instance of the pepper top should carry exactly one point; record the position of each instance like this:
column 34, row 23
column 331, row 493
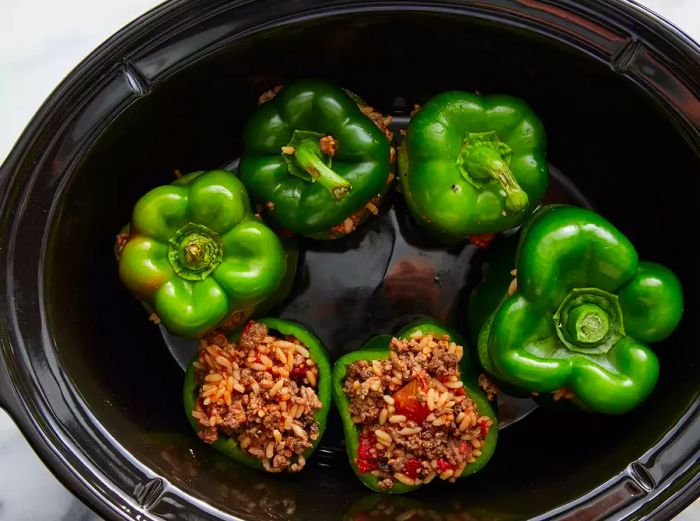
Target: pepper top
column 195, row 254
column 472, row 164
column 582, row 313
column 314, row 157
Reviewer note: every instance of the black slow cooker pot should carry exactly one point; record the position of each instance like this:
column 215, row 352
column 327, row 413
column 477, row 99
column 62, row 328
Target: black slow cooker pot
column 90, row 381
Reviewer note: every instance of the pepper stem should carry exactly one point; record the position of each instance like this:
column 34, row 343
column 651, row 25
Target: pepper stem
column 588, row 324
column 306, row 161
column 484, row 158
column 194, row 251
column 589, row 320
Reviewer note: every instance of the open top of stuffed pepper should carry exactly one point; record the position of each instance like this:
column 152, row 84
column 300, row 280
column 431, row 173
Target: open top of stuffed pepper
column 261, row 398
column 408, row 414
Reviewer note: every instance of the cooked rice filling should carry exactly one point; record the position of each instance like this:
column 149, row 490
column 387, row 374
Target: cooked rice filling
column 261, row 392
column 416, row 421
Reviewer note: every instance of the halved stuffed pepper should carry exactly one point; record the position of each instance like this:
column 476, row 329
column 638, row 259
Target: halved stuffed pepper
column 261, row 398
column 412, row 410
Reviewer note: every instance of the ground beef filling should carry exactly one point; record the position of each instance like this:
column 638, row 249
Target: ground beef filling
column 416, row 420
column 260, row 392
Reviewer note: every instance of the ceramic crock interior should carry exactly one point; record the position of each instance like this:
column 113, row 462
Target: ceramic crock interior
column 604, row 133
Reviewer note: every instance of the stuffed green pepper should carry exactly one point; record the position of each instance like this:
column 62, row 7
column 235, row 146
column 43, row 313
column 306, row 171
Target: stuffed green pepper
column 580, row 314
column 196, row 255
column 261, row 397
column 316, row 159
column 412, row 411
column 472, row 164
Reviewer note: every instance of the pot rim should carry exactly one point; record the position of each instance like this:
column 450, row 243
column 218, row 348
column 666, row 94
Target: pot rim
column 20, row 390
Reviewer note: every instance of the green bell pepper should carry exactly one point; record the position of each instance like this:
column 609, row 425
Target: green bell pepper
column 378, row 348
column 272, row 304
column 472, row 164
column 497, row 278
column 582, row 314
column 317, row 352
column 196, row 255
column 315, row 159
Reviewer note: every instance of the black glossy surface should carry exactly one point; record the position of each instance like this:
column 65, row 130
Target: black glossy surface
column 91, row 381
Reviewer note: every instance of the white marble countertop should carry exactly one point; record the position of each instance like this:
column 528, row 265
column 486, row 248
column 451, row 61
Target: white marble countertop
column 40, row 42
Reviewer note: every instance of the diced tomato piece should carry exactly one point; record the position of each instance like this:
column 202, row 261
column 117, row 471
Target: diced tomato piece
column 465, row 448
column 482, row 240
column 444, row 465
column 459, row 392
column 484, row 428
column 407, row 404
column 411, row 468
column 298, row 371
column 366, row 465
column 365, row 461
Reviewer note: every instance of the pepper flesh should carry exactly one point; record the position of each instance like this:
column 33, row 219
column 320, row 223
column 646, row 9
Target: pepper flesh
column 318, row 353
column 314, row 183
column 472, row 164
column 196, row 254
column 378, row 349
column 497, row 277
column 582, row 314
